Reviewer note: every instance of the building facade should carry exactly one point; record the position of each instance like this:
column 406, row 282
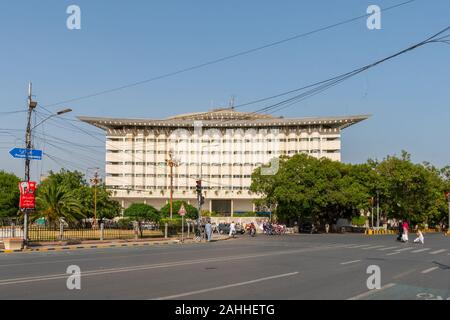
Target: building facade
column 221, row 147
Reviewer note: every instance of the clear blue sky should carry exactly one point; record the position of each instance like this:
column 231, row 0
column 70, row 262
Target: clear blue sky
column 126, row 41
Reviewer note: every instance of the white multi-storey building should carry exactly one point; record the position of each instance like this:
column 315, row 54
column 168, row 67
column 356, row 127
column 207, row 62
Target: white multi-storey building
column 221, row 147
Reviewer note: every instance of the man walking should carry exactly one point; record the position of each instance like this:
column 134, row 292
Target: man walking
column 208, row 229
column 232, row 229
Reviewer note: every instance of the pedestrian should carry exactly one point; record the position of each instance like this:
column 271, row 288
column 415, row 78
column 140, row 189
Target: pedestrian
column 400, row 230
column 420, row 237
column 232, row 229
column 208, row 229
column 327, row 228
column 405, row 231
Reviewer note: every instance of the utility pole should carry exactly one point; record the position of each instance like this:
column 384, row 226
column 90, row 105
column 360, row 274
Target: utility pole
column 171, row 163
column 31, row 106
column 95, row 181
column 372, row 201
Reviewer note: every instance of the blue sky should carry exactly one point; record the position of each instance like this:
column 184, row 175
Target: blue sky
column 123, row 42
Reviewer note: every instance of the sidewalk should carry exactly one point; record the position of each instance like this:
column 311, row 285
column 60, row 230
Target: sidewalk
column 84, row 245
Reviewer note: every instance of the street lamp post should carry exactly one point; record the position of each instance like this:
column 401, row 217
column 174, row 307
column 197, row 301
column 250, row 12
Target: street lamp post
column 378, row 209
column 28, row 145
column 171, row 163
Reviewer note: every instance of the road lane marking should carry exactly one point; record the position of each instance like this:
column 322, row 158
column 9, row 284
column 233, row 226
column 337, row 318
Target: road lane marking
column 393, row 253
column 369, row 293
column 350, row 262
column 420, row 250
column 388, row 248
column 239, row 284
column 438, row 251
column 405, row 249
column 429, row 270
column 156, row 266
column 375, row 247
column 403, row 274
column 360, row 246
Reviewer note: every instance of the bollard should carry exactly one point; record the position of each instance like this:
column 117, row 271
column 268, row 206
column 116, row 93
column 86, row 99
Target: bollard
column 102, row 226
column 61, row 231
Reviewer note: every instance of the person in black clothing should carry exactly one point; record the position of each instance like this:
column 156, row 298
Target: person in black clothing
column 400, row 231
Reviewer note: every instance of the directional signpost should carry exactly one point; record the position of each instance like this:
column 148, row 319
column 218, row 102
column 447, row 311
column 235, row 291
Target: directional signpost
column 182, row 213
column 19, row 153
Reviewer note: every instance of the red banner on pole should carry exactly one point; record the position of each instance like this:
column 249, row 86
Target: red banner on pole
column 27, row 195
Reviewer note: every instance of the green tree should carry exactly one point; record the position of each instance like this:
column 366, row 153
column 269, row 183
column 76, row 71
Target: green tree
column 9, row 195
column 315, row 189
column 140, row 213
column 56, row 202
column 410, row 191
column 191, row 211
column 75, row 182
column 107, row 208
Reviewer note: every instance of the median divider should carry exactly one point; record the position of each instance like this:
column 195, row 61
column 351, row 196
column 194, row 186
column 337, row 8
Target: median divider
column 372, row 232
column 52, row 248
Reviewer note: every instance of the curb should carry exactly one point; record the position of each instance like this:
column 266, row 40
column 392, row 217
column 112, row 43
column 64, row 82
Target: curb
column 379, row 232
column 100, row 246
column 86, row 247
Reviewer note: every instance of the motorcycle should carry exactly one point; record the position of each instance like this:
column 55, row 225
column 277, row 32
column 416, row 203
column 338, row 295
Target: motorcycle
column 251, row 230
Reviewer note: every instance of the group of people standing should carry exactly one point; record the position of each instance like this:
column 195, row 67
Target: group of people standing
column 403, row 233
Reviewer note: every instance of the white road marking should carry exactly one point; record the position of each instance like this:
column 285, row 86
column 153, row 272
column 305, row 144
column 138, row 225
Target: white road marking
column 388, row 248
column 360, row 246
column 429, row 270
column 369, row 293
column 239, row 284
column 375, row 247
column 403, row 274
column 438, row 251
column 405, row 249
column 420, row 250
column 155, row 266
column 393, row 253
column 350, row 262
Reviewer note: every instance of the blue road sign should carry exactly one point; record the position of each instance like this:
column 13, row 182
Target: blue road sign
column 19, row 153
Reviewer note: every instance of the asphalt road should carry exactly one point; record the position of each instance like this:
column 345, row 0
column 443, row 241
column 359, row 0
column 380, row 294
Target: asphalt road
column 260, row 268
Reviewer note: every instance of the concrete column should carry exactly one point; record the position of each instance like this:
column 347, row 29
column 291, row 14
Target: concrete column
column 232, row 208
column 123, row 207
column 210, row 205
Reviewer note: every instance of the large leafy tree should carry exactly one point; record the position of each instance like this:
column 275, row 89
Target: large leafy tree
column 410, row 191
column 191, row 211
column 317, row 189
column 324, row 190
column 75, row 182
column 9, row 195
column 107, row 208
column 140, row 213
column 57, row 203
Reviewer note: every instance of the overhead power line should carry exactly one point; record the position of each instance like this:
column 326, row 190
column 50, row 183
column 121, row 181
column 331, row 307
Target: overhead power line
column 229, row 57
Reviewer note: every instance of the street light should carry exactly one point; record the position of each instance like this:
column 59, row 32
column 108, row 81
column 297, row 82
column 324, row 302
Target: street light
column 59, row 113
column 31, row 106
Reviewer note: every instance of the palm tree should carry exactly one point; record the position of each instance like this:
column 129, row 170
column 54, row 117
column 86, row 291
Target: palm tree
column 57, row 203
